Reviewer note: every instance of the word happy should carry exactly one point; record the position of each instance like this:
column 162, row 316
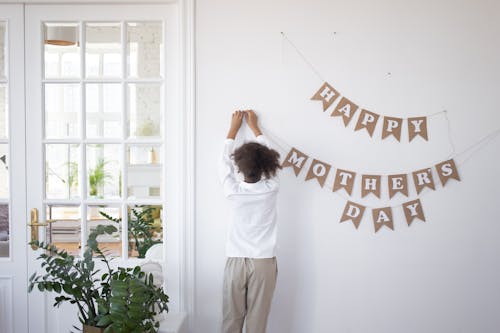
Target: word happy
column 391, row 126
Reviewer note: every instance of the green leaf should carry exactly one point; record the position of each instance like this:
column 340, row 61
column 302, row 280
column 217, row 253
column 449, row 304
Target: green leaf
column 104, row 321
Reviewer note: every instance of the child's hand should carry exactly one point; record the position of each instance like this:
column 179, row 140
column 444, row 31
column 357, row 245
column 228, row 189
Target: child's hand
column 252, row 122
column 236, row 120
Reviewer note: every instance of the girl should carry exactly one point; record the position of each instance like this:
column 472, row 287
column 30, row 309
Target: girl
column 251, row 269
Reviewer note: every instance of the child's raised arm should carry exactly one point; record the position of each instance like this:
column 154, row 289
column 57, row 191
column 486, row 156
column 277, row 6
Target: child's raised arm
column 252, row 122
column 236, row 121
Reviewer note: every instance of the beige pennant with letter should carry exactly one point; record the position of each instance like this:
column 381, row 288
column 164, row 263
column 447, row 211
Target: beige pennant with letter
column 417, row 126
column 447, row 170
column 344, row 179
column 327, row 94
column 381, row 217
column 367, row 120
column 392, row 126
column 319, row 171
column 370, row 184
column 413, row 210
column 397, row 183
column 423, row 178
column 345, row 109
column 295, row 159
column 353, row 212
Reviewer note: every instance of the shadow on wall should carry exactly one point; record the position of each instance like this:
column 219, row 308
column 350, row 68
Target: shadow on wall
column 296, row 268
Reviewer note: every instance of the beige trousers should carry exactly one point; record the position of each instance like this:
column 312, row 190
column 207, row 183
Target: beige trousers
column 248, row 292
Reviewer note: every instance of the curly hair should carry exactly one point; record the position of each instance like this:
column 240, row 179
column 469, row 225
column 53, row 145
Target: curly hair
column 255, row 160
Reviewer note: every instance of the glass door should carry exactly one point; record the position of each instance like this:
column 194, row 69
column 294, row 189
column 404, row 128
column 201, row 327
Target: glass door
column 102, row 112
column 13, row 240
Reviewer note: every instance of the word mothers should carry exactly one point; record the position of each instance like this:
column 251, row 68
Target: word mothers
column 392, row 126
column 371, row 184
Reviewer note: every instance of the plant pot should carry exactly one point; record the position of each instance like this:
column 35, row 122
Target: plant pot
column 92, row 329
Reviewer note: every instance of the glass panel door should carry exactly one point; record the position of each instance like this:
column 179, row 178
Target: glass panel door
column 103, row 137
column 103, row 119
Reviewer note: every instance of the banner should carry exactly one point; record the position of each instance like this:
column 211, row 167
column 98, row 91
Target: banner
column 413, row 210
column 345, row 109
column 372, row 184
column 318, row 170
column 326, row 94
column 391, row 126
column 422, row 179
column 381, row 217
column 353, row 212
column 417, row 126
column 367, row 120
column 344, row 179
column 295, row 159
column 447, row 170
column 397, row 184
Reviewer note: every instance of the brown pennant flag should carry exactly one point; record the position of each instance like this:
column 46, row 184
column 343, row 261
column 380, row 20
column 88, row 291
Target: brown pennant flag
column 392, row 126
column 423, row 178
column 417, row 126
column 447, row 170
column 370, row 184
column 295, row 159
column 344, row 179
column 413, row 210
column 345, row 109
column 353, row 212
column 381, row 217
column 367, row 120
column 327, row 94
column 318, row 170
column 397, row 183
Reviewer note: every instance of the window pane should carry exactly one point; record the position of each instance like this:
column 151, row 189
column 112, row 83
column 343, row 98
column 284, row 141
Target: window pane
column 145, row 229
column 144, row 110
column 4, row 119
column 4, row 230
column 104, row 178
column 3, row 49
column 62, row 50
column 103, row 50
column 145, row 49
column 104, row 110
column 4, row 171
column 62, row 107
column 144, row 177
column 65, row 232
column 61, row 172
column 98, row 215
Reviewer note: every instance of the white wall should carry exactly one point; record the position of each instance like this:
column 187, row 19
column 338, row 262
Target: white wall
column 438, row 276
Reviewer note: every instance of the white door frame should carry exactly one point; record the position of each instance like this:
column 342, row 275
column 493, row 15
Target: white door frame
column 181, row 252
column 13, row 270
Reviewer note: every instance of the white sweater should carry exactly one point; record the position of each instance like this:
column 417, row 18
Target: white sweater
column 252, row 230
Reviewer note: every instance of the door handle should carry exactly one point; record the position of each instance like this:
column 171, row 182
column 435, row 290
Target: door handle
column 35, row 224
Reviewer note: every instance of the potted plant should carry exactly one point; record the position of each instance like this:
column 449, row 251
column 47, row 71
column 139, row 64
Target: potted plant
column 98, row 177
column 119, row 300
column 141, row 228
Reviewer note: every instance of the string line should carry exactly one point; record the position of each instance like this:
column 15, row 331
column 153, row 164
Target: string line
column 311, row 66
